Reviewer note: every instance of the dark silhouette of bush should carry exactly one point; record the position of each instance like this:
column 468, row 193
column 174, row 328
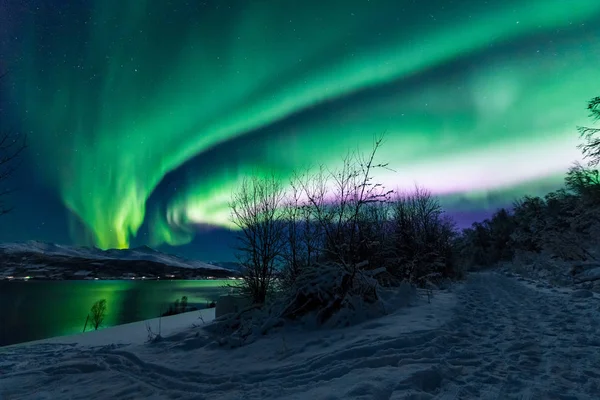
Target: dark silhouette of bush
column 179, row 306
column 591, row 143
column 183, row 304
column 422, row 238
column 488, row 242
column 98, row 313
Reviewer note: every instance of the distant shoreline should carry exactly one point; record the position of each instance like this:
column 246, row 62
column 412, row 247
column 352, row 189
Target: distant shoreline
column 50, row 262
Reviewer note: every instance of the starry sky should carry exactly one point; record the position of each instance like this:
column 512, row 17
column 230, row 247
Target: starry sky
column 143, row 116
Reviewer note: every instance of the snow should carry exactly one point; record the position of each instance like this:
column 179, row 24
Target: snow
column 492, row 337
column 134, row 333
column 569, row 288
column 139, row 253
column 589, row 275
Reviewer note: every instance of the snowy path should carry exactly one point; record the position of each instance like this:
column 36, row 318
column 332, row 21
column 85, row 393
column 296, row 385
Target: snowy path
column 517, row 342
column 497, row 339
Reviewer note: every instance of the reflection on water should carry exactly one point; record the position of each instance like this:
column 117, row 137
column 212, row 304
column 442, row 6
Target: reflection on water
column 42, row 309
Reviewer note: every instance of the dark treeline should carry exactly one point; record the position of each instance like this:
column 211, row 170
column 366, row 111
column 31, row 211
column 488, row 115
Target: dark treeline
column 563, row 225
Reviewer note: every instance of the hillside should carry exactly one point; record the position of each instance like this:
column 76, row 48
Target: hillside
column 38, row 260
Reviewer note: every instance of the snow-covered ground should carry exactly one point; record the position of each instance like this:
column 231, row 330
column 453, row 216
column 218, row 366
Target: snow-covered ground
column 493, row 337
column 134, row 333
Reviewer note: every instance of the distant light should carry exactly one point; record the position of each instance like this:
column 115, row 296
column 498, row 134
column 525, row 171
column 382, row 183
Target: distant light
column 27, row 278
column 10, row 277
column 133, row 277
column 95, row 279
column 143, row 277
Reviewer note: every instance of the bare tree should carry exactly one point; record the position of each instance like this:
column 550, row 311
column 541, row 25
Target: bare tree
column 341, row 203
column 584, row 182
column 375, row 232
column 303, row 234
column 11, row 148
column 256, row 211
column 293, row 251
column 591, row 145
column 339, row 211
column 423, row 236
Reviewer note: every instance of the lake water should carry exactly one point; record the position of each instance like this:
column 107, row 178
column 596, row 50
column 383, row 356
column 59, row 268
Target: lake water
column 42, row 309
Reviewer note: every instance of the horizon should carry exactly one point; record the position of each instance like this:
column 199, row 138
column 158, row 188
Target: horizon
column 190, row 252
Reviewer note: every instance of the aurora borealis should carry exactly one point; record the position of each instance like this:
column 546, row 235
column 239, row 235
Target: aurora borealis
column 148, row 113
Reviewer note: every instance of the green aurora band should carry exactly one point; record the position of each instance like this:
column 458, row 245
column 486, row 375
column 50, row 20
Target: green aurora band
column 472, row 98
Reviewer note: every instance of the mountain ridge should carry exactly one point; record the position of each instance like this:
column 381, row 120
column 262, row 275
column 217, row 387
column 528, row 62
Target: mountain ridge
column 43, row 260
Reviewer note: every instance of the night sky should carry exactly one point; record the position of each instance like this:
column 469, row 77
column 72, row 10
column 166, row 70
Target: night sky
column 142, row 116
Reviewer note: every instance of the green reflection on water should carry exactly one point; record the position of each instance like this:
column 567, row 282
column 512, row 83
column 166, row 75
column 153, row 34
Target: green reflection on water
column 42, row 309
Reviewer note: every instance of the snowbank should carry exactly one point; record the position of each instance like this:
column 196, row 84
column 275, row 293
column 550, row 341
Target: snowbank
column 135, row 333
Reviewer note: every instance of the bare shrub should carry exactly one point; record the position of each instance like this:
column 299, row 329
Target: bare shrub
column 423, row 238
column 337, row 200
column 303, row 237
column 98, row 313
column 152, row 336
column 324, row 289
column 256, row 210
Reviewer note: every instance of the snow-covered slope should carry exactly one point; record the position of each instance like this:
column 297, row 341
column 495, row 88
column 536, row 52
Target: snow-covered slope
column 134, row 333
column 137, row 253
column 492, row 338
column 23, row 258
